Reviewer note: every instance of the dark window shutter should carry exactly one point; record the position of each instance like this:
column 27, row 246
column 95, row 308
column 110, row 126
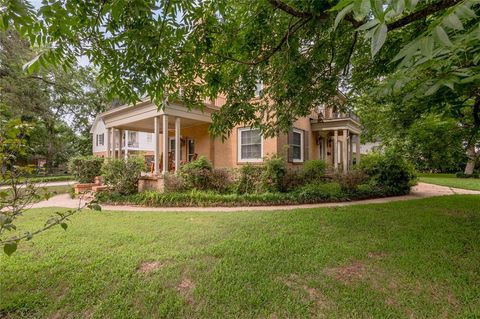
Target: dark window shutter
column 290, row 148
column 306, row 145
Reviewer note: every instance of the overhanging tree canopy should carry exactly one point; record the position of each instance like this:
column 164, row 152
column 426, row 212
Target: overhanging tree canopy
column 301, row 50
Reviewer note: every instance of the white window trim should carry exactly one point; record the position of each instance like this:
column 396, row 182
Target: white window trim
column 239, row 147
column 302, row 147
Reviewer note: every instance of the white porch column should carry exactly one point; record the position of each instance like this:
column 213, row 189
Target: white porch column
column 350, row 151
column 120, row 143
column 156, row 155
column 109, row 144
column 358, row 150
column 114, row 153
column 177, row 144
column 335, row 150
column 165, row 144
column 126, row 144
column 345, row 151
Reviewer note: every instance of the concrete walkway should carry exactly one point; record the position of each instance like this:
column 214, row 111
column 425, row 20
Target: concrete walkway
column 422, row 190
column 46, row 184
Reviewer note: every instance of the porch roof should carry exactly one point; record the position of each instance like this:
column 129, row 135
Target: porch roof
column 339, row 124
column 140, row 117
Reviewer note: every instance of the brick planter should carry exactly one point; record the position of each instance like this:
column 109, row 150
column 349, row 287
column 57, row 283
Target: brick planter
column 155, row 183
column 82, row 188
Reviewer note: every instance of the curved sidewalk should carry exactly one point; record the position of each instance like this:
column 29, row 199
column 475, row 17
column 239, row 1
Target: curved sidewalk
column 422, row 190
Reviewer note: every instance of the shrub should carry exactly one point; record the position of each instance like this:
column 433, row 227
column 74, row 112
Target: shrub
column 85, row 168
column 250, row 179
column 293, row 179
column 221, row 180
column 197, row 173
column 174, row 183
column 390, row 172
column 350, row 181
column 123, row 174
column 314, row 170
column 275, row 169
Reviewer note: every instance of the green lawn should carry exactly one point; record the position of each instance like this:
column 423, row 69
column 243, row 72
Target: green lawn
column 417, row 259
column 46, row 179
column 450, row 180
column 53, row 190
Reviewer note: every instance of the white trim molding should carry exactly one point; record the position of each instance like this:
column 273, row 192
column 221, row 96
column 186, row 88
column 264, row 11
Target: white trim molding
column 239, row 146
column 302, row 146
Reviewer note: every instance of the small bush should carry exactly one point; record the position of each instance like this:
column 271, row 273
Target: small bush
column 197, row 173
column 250, row 179
column 221, row 180
column 85, row 168
column 174, row 183
column 351, row 180
column 314, row 170
column 275, row 169
column 293, row 179
column 390, row 172
column 123, row 175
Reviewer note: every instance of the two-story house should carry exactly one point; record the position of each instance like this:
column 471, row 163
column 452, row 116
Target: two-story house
column 183, row 135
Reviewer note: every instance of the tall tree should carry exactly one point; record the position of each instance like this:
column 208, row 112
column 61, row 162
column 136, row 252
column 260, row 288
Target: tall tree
column 304, row 51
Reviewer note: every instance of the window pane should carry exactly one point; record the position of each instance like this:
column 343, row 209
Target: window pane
column 297, row 139
column 251, row 151
column 297, row 152
column 251, row 137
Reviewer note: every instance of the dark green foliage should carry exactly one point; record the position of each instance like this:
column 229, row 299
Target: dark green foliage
column 350, row 181
column 221, row 180
column 197, row 173
column 312, row 193
column 123, row 175
column 85, row 168
column 389, row 171
column 274, row 171
column 250, row 179
column 314, row 170
column 174, row 183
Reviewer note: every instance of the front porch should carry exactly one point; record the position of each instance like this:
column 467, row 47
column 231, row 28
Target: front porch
column 178, row 135
column 335, row 140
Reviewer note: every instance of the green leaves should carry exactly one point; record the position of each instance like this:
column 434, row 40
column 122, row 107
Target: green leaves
column 441, row 36
column 10, row 247
column 378, row 38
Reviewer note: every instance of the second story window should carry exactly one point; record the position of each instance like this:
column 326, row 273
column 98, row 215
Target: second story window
column 250, row 145
column 259, row 89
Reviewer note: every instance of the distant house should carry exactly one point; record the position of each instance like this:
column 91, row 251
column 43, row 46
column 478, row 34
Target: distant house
column 181, row 135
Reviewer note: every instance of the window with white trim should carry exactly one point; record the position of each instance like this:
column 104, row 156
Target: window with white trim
column 250, row 145
column 259, row 89
column 99, row 139
column 297, row 145
column 149, row 137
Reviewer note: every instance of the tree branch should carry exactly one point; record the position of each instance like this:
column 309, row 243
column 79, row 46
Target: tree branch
column 290, row 10
column 422, row 13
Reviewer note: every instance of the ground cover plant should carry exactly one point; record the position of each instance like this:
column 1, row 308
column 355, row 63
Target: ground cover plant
column 450, row 180
column 402, row 259
column 199, row 184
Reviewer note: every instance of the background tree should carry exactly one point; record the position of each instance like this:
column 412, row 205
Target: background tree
column 303, row 51
column 61, row 103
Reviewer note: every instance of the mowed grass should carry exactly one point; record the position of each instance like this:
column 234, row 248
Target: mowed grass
column 417, row 259
column 450, row 180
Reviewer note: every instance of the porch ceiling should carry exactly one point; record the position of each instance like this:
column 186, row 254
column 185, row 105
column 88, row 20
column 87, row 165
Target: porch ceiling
column 141, row 117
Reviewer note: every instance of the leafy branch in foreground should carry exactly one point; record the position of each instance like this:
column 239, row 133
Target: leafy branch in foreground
column 19, row 195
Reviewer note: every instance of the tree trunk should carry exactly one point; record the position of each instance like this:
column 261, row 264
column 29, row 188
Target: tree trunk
column 472, row 157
